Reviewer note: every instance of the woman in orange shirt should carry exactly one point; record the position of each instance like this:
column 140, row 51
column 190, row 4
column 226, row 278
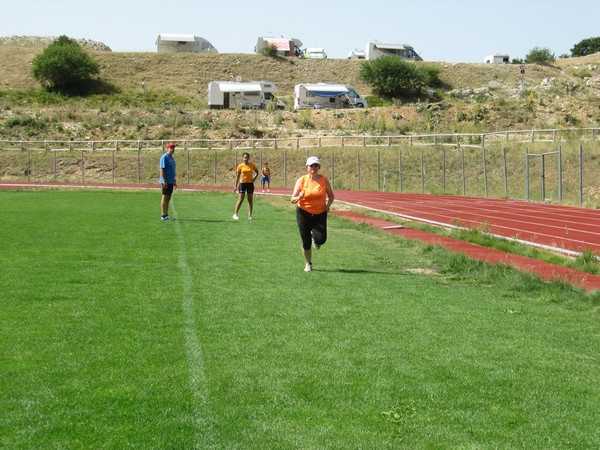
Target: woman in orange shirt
column 314, row 196
column 245, row 175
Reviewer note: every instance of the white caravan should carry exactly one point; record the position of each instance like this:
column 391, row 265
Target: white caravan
column 285, row 46
column 497, row 58
column 183, row 43
column 247, row 95
column 327, row 95
column 314, row 52
column 376, row 50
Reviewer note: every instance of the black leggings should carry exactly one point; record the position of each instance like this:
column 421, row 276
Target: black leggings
column 311, row 226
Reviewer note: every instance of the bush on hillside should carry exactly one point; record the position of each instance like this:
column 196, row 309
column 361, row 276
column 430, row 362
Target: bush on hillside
column 269, row 50
column 539, row 55
column 586, row 47
column 65, row 67
column 392, row 77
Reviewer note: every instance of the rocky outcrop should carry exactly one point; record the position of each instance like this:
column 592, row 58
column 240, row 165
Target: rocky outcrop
column 47, row 40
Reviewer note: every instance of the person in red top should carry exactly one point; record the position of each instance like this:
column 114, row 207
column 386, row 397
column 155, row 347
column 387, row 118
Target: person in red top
column 245, row 175
column 314, row 196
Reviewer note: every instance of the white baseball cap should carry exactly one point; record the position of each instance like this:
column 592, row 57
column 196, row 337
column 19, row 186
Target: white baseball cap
column 313, row 160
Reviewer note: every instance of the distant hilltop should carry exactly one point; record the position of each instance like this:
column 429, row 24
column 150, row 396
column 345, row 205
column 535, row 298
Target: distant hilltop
column 47, row 40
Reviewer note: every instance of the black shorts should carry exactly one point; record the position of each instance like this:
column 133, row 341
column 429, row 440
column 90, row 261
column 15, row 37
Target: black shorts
column 311, row 226
column 246, row 188
column 168, row 190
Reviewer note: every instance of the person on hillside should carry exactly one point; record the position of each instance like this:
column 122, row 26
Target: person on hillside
column 313, row 195
column 167, row 180
column 265, row 177
column 245, row 175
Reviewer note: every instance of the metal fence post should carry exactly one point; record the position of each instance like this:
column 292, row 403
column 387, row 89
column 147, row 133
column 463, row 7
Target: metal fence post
column 580, row 174
column 379, row 170
column 444, row 169
column 285, row 168
column 358, row 167
column 400, row 168
column 505, row 172
column 462, row 153
column 527, row 172
column 560, row 187
column 485, row 183
column 422, row 173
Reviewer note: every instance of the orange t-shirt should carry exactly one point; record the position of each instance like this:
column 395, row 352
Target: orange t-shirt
column 246, row 172
column 315, row 195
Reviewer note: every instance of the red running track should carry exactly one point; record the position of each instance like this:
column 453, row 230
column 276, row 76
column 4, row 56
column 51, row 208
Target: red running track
column 566, row 229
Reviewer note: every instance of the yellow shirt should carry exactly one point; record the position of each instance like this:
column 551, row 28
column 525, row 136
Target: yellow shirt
column 315, row 195
column 246, row 172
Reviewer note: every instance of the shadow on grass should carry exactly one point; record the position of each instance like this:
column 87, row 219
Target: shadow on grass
column 357, row 271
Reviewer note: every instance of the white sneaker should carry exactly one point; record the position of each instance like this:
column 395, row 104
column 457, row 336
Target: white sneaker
column 263, row 190
column 268, row 190
column 250, row 217
column 315, row 245
column 236, row 217
column 308, row 267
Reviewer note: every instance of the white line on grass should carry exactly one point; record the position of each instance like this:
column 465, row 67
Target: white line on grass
column 198, row 384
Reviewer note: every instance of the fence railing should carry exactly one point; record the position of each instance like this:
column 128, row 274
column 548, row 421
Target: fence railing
column 499, row 164
column 447, row 139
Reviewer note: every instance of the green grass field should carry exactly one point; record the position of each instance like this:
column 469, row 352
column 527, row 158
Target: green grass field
column 118, row 330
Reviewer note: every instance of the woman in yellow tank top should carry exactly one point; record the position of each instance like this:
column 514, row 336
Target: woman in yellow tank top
column 313, row 195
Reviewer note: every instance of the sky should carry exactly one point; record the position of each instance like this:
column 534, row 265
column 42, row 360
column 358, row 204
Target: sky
column 439, row 30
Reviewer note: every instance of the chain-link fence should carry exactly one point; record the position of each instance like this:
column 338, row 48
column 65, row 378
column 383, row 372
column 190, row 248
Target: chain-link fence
column 540, row 165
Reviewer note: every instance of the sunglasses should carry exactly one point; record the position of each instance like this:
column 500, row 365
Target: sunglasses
column 315, row 165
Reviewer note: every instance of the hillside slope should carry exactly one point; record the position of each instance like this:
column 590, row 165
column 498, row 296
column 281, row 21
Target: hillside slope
column 479, row 97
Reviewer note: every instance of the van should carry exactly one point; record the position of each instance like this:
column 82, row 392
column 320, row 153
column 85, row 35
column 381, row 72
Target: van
column 314, row 52
column 244, row 95
column 327, row 95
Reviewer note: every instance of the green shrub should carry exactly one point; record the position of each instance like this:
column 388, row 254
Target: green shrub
column 392, row 77
column 540, row 56
column 65, row 67
column 269, row 50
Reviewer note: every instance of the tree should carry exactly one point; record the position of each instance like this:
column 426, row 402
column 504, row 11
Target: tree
column 65, row 67
column 586, row 47
column 539, row 55
column 392, row 77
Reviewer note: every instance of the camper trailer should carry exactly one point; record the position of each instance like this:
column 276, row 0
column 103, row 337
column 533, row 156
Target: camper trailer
column 356, row 54
column 497, row 58
column 185, row 43
column 247, row 95
column 314, row 52
column 327, row 95
column 285, row 46
column 376, row 50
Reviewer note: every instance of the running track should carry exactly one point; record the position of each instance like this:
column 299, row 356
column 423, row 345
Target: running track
column 565, row 229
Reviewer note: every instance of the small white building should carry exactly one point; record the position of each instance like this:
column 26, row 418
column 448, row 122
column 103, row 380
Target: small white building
column 183, row 43
column 497, row 58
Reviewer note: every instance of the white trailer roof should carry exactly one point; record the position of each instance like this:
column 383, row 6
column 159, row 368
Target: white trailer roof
column 177, row 37
column 392, row 46
column 326, row 87
column 227, row 86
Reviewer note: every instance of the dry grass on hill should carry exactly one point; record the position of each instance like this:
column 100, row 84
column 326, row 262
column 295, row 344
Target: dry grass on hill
column 482, row 97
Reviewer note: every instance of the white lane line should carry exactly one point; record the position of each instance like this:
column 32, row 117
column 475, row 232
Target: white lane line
column 197, row 377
